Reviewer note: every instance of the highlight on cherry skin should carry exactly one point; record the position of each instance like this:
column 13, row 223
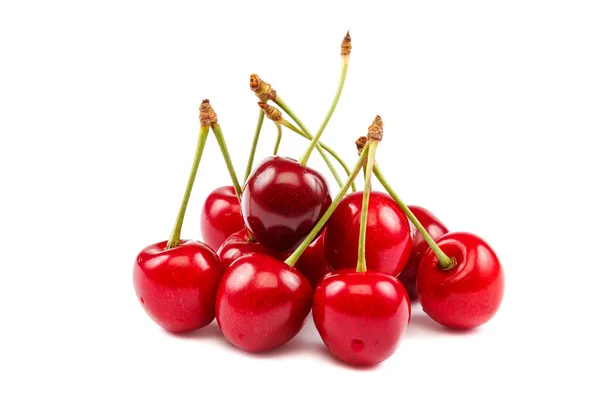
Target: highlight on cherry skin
column 470, row 292
column 221, row 216
column 240, row 244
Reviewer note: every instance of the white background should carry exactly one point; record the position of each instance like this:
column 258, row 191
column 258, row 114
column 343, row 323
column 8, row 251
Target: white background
column 491, row 113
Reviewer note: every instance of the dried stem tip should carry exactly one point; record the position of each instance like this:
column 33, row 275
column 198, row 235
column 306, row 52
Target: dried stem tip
column 376, row 130
column 361, row 142
column 262, row 89
column 271, row 112
column 208, row 116
column 346, row 45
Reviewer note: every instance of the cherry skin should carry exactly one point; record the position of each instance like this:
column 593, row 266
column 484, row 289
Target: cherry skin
column 389, row 241
column 239, row 244
column 282, row 201
column 177, row 287
column 221, row 216
column 262, row 302
column 435, row 228
column 312, row 263
column 361, row 316
column 469, row 294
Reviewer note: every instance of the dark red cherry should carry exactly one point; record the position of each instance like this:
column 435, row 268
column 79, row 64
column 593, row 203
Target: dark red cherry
column 177, row 287
column 388, row 243
column 361, row 316
column 436, row 228
column 239, row 244
column 312, row 263
column 262, row 302
column 470, row 293
column 282, row 202
column 221, row 216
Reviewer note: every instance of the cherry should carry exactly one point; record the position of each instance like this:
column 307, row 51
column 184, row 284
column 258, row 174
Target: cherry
column 436, row 228
column 221, row 216
column 467, row 292
column 389, row 241
column 177, row 286
column 240, row 244
column 312, row 263
column 261, row 302
column 282, row 201
column 361, row 316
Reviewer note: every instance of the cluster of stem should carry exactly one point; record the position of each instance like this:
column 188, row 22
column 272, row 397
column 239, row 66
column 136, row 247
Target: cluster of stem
column 262, row 89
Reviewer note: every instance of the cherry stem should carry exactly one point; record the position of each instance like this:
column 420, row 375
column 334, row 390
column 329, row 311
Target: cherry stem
column 278, row 140
column 175, row 238
column 259, row 123
column 361, row 264
column 221, row 140
column 304, row 158
column 295, row 256
column 444, row 261
column 293, row 116
column 322, row 145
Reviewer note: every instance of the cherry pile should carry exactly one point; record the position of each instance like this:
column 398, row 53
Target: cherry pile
column 280, row 246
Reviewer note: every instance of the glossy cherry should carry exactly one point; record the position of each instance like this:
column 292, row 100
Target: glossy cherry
column 388, row 241
column 361, row 316
column 312, row 263
column 436, row 228
column 240, row 244
column 262, row 302
column 177, row 287
column 282, row 201
column 468, row 294
column 221, row 216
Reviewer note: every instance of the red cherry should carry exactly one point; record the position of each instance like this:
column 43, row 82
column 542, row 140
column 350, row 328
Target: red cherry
column 388, row 242
column 177, row 287
column 221, row 216
column 470, row 293
column 239, row 244
column 282, row 202
column 261, row 302
column 435, row 228
column 361, row 316
column 312, row 263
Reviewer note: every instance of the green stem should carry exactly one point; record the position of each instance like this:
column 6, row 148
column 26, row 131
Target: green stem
column 293, row 116
column 293, row 258
column 221, row 140
column 322, row 145
column 175, row 238
column 444, row 261
column 278, row 140
column 261, row 118
column 304, row 158
column 361, row 264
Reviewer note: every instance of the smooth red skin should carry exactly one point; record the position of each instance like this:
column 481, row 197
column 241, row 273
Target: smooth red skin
column 361, row 317
column 283, row 201
column 435, row 228
column 238, row 245
column 262, row 303
column 469, row 294
column 312, row 263
column 177, row 287
column 221, row 216
column 389, row 240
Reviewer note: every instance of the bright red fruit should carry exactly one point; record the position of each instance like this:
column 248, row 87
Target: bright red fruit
column 177, row 287
column 470, row 293
column 239, row 244
column 282, row 202
column 388, row 242
column 361, row 316
column 221, row 216
column 262, row 302
column 435, row 228
column 312, row 263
